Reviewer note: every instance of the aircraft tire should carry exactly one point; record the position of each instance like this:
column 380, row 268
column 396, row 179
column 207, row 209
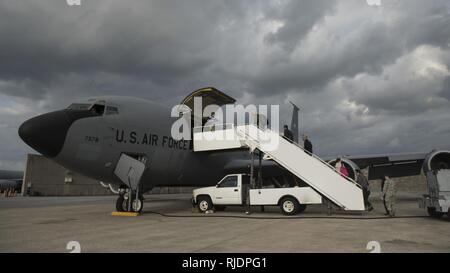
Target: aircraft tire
column 137, row 204
column 120, row 204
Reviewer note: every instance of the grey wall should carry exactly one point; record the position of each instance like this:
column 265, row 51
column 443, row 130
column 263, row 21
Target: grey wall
column 416, row 183
column 47, row 178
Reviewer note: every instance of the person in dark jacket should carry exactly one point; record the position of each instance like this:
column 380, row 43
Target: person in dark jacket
column 364, row 183
column 288, row 134
column 307, row 144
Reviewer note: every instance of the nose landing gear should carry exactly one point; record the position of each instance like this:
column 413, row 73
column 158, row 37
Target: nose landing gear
column 124, row 204
column 130, row 170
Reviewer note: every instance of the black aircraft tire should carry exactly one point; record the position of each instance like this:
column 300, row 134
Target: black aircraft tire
column 289, row 206
column 204, row 203
column 119, row 204
column 433, row 213
column 141, row 206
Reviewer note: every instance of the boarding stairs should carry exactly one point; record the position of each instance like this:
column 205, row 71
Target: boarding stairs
column 318, row 174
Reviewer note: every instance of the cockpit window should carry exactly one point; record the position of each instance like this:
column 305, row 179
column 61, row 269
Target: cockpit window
column 98, row 109
column 111, row 110
column 79, row 106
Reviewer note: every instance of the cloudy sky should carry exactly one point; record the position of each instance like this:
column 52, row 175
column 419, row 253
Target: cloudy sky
column 369, row 79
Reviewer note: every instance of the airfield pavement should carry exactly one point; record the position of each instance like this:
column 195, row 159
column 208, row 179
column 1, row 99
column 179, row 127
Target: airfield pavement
column 47, row 224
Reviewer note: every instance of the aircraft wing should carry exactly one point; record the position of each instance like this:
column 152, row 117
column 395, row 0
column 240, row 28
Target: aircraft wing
column 394, row 165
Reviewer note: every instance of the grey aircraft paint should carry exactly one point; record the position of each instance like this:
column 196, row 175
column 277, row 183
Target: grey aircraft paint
column 93, row 145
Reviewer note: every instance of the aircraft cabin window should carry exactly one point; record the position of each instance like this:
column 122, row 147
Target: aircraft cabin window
column 98, row 109
column 111, row 110
column 79, row 106
column 229, row 182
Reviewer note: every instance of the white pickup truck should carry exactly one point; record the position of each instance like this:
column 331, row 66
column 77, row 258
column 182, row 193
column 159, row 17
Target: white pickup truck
column 232, row 191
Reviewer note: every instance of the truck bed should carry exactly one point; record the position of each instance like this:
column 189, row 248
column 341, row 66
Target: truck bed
column 304, row 195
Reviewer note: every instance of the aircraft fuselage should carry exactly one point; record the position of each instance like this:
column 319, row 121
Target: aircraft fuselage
column 93, row 144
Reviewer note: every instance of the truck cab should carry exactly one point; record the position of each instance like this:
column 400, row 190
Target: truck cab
column 229, row 191
column 234, row 189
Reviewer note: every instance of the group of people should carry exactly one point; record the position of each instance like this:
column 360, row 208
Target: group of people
column 388, row 188
column 388, row 185
column 10, row 192
column 307, row 145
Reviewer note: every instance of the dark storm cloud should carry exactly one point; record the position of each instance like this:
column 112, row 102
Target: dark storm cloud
column 367, row 76
column 446, row 88
column 159, row 41
column 297, row 17
column 375, row 39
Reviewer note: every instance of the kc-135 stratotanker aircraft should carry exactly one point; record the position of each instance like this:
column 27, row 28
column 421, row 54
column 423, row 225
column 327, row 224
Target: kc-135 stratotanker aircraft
column 93, row 136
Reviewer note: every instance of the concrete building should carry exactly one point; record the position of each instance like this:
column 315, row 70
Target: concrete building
column 44, row 177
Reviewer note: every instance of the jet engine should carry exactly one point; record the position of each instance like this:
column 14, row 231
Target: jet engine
column 436, row 160
column 350, row 165
column 436, row 168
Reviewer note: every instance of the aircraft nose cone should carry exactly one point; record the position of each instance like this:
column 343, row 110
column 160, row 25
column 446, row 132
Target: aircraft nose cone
column 46, row 133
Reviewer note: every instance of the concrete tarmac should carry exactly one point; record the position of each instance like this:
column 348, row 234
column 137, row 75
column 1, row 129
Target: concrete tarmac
column 47, row 224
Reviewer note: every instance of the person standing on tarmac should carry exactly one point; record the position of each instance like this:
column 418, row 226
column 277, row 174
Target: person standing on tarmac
column 364, row 183
column 389, row 196
column 288, row 134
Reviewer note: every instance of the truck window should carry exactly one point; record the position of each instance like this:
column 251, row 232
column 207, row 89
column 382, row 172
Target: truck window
column 229, row 182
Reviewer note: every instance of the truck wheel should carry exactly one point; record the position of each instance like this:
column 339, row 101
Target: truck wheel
column 204, row 203
column 433, row 213
column 289, row 206
column 220, row 208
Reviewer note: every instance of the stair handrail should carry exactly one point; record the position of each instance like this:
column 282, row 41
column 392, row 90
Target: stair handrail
column 249, row 138
column 313, row 155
